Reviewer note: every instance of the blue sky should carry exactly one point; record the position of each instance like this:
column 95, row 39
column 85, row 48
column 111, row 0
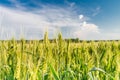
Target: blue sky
column 84, row 19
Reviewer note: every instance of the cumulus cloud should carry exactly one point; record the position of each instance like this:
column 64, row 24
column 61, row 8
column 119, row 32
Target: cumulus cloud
column 32, row 24
column 88, row 31
column 81, row 17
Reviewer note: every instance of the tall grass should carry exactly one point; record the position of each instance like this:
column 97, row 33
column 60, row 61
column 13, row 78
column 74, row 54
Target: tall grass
column 59, row 60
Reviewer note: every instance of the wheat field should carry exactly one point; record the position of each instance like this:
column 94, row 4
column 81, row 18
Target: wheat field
column 59, row 60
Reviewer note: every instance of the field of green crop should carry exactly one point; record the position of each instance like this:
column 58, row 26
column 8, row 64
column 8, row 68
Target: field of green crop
column 59, row 60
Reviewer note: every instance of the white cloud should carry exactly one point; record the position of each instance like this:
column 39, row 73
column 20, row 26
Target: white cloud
column 90, row 27
column 88, row 31
column 96, row 11
column 33, row 24
column 71, row 4
column 81, row 17
column 17, row 4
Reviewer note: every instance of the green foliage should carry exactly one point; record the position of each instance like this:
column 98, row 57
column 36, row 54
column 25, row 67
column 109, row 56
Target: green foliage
column 54, row 73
